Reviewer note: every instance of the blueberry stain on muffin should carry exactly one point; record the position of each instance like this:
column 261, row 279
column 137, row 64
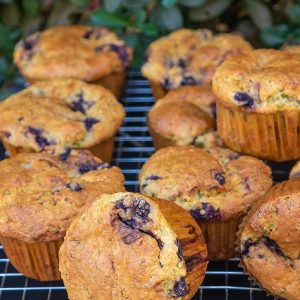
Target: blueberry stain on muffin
column 166, row 83
column 180, row 288
column 206, row 213
column 90, row 122
column 245, row 99
column 28, row 45
column 80, row 104
column 189, row 80
column 219, row 177
column 74, row 186
column 150, row 178
column 39, row 138
column 120, row 50
column 179, row 252
column 92, row 34
column 64, row 156
column 92, row 166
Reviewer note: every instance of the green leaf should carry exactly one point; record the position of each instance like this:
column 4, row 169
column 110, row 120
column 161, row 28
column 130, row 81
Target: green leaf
column 275, row 36
column 167, row 18
column 168, row 3
column 31, row 7
column 82, row 3
column 103, row 18
column 259, row 13
column 132, row 4
column 210, row 10
column 140, row 16
column 150, row 29
column 112, row 5
column 293, row 12
column 191, row 3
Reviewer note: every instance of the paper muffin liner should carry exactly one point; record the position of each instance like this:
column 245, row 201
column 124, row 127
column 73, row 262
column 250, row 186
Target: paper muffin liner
column 192, row 241
column 157, row 90
column 35, row 260
column 113, row 82
column 220, row 238
column 274, row 136
column 103, row 150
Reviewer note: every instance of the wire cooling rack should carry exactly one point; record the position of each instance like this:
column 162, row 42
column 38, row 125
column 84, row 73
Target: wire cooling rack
column 223, row 280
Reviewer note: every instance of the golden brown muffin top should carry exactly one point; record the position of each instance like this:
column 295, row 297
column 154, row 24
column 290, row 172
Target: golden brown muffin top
column 40, row 194
column 264, row 80
column 72, row 51
column 122, row 247
column 213, row 185
column 190, row 57
column 270, row 240
column 60, row 112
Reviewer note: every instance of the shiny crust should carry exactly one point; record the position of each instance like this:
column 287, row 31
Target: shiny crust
column 270, row 243
column 217, row 185
column 41, row 194
column 71, row 51
column 62, row 112
column 263, row 81
column 190, row 55
column 103, row 257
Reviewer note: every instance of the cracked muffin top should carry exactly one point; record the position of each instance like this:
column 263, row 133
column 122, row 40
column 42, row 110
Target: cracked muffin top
column 60, row 113
column 72, row 51
column 190, row 57
column 185, row 116
column 270, row 240
column 213, row 185
column 264, row 81
column 123, row 233
column 41, row 194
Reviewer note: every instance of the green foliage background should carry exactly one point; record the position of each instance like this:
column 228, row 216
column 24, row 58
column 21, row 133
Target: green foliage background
column 264, row 23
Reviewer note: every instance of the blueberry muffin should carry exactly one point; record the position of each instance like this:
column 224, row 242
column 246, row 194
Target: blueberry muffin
column 295, row 172
column 216, row 186
column 128, row 246
column 61, row 114
column 40, row 195
column 92, row 54
column 269, row 241
column 188, row 57
column 258, row 104
column 184, row 116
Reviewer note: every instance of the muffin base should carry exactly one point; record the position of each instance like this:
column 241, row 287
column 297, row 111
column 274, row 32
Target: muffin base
column 192, row 241
column 221, row 238
column 103, row 150
column 113, row 82
column 157, row 90
column 37, row 260
column 274, row 136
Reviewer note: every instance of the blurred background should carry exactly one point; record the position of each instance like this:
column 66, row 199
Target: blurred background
column 264, row 23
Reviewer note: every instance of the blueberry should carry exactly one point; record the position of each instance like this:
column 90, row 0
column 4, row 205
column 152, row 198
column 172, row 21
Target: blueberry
column 84, row 168
column 80, row 104
column 141, row 208
column 5, row 133
column 188, row 80
column 180, row 288
column 92, row 34
column 220, row 178
column 64, row 156
column 39, row 139
column 181, row 63
column 166, row 83
column 273, row 246
column 213, row 110
column 28, row 45
column 244, row 98
column 121, row 51
column 74, row 186
column 206, row 213
column 90, row 122
column 153, row 177
column 246, row 246
column 179, row 252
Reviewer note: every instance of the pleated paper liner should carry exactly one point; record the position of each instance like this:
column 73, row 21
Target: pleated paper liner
column 35, row 260
column 113, row 82
column 275, row 191
column 103, row 150
column 220, row 238
column 192, row 241
column 274, row 136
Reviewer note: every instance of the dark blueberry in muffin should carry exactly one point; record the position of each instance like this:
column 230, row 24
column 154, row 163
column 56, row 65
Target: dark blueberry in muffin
column 84, row 168
column 179, row 252
column 39, row 139
column 5, row 133
column 180, row 288
column 213, row 110
column 29, row 43
column 90, row 122
column 206, row 213
column 246, row 246
column 219, row 177
column 74, row 186
column 92, row 34
column 80, row 104
column 188, row 80
column 245, row 99
column 141, row 208
column 153, row 177
column 273, row 246
column 182, row 63
column 166, row 83
column 64, row 156
column 121, row 51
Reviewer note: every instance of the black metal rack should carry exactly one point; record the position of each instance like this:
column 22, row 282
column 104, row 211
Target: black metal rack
column 223, row 281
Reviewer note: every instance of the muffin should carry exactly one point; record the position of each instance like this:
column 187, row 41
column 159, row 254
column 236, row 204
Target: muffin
column 258, row 104
column 217, row 187
column 40, row 195
column 295, row 172
column 92, row 54
column 60, row 114
column 269, row 241
column 184, row 116
column 188, row 57
column 128, row 246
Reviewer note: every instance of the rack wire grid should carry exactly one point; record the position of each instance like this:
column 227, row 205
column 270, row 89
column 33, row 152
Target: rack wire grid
column 223, row 280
